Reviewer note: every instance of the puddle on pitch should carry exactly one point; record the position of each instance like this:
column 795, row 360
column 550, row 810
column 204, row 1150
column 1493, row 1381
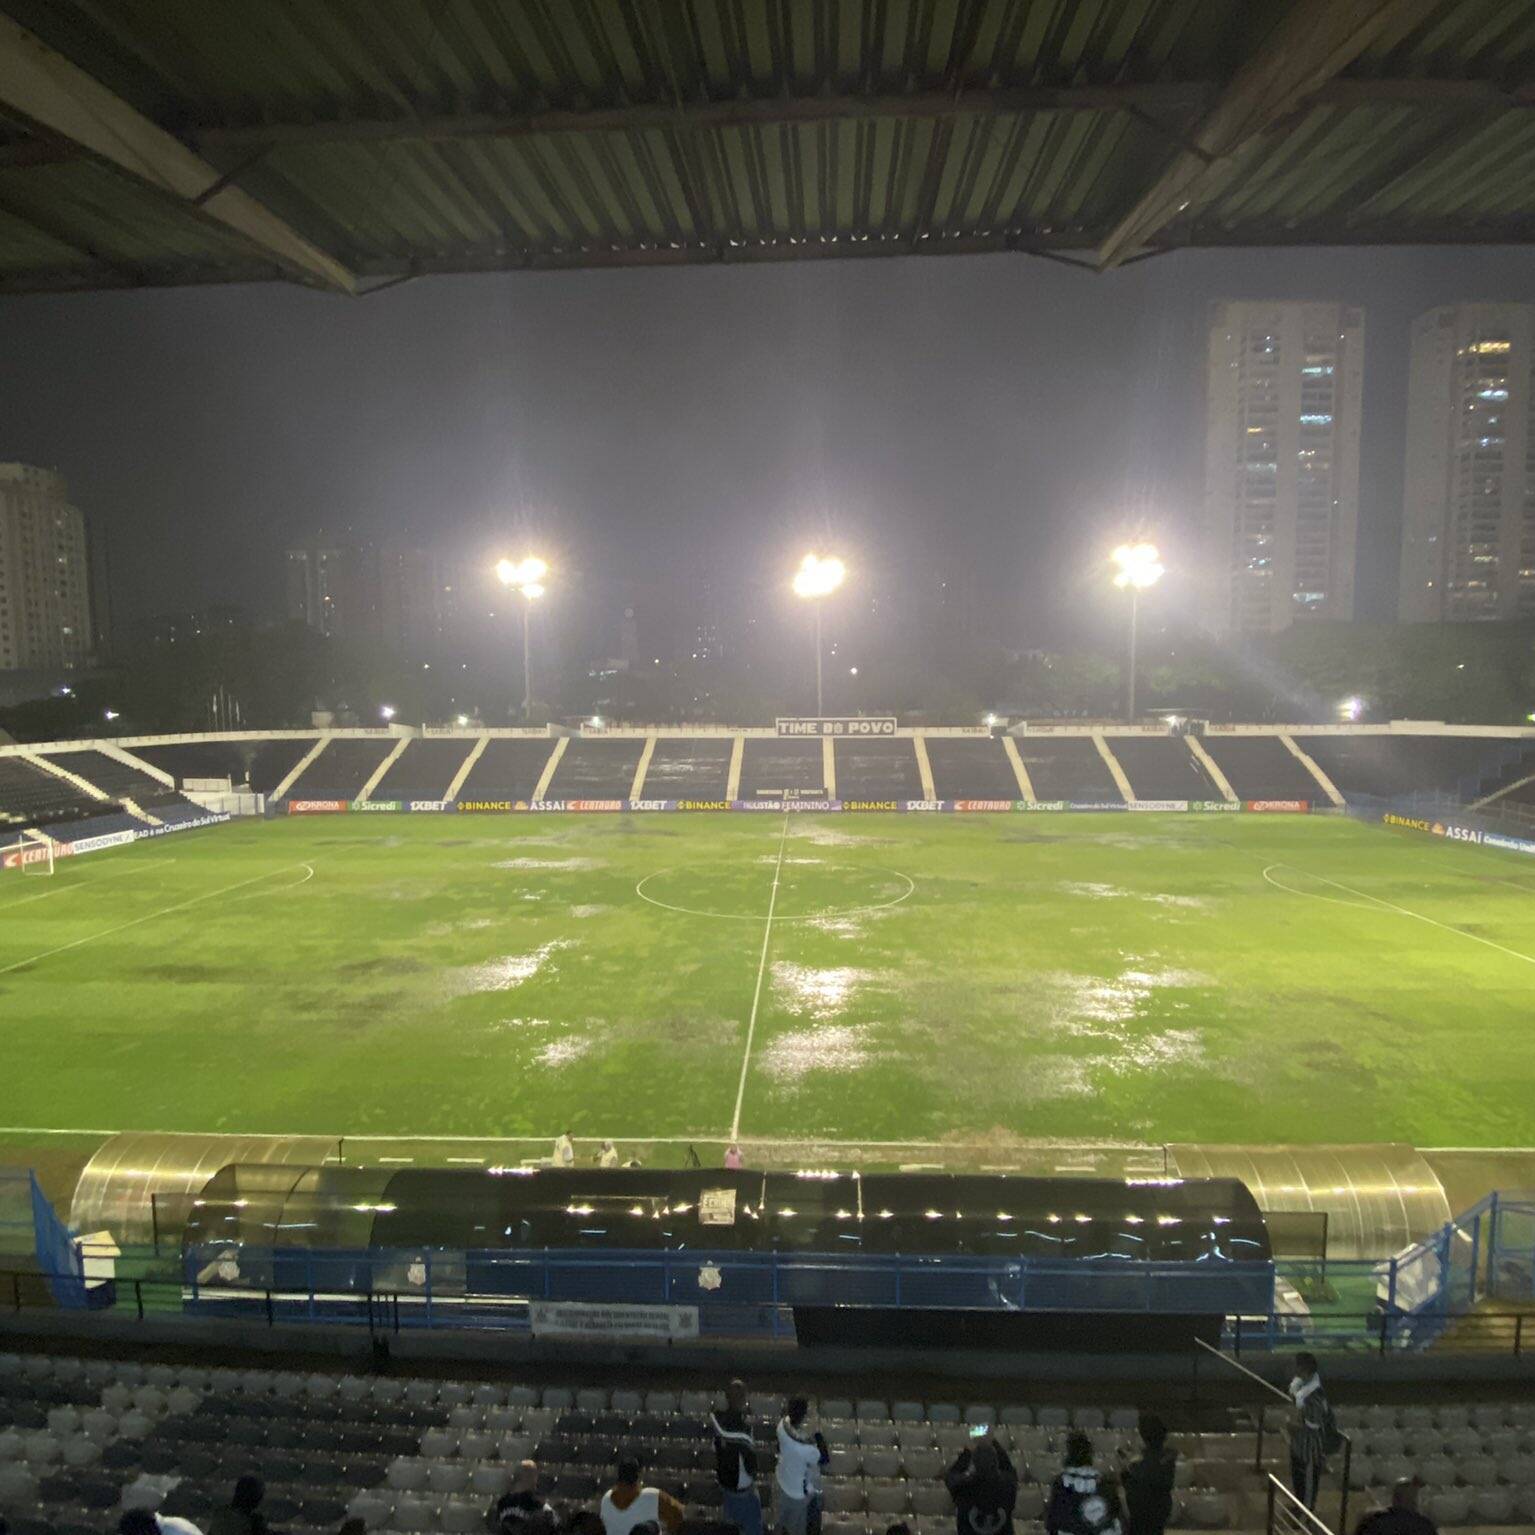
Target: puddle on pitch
column 563, row 1052
column 839, row 1049
column 589, row 911
column 552, row 865
column 1101, row 892
column 503, row 972
column 820, row 993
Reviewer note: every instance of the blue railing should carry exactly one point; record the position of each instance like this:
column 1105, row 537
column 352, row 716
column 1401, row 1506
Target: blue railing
column 733, row 1291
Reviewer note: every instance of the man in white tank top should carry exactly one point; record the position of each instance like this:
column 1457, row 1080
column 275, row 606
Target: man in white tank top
column 627, row 1504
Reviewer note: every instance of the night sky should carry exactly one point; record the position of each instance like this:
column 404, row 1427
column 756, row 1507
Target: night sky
column 996, row 414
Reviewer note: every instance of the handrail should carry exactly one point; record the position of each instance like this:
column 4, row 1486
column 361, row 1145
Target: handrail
column 1284, row 1396
column 1287, row 1515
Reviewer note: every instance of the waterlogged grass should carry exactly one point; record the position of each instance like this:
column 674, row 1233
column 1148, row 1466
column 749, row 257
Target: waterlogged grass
column 1229, row 978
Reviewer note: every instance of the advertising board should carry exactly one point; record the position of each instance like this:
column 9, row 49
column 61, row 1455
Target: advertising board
column 318, row 806
column 846, row 725
column 1280, row 806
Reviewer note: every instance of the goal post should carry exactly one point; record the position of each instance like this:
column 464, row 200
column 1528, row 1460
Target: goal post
column 31, row 853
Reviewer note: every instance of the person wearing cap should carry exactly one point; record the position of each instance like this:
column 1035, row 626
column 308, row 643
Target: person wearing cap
column 1400, row 1516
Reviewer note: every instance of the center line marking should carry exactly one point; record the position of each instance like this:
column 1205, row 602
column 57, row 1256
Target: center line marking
column 767, row 934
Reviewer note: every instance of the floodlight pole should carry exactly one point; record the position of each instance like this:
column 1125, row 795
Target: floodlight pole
column 1135, row 613
column 819, row 707
column 527, row 659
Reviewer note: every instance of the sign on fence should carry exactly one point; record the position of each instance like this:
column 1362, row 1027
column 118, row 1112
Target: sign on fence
column 847, row 725
column 585, row 1322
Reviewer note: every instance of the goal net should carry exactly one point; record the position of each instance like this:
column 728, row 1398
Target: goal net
column 32, row 853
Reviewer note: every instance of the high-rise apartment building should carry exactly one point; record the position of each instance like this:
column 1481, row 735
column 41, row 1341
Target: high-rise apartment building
column 1282, row 403
column 1468, row 544
column 407, row 599
column 45, row 589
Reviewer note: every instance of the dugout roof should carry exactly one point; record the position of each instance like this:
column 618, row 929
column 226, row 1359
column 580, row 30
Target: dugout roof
column 349, row 143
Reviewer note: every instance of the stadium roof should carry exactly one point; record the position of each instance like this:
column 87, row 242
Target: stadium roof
column 347, row 143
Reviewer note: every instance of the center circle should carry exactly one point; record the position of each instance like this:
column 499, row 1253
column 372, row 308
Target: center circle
column 809, row 889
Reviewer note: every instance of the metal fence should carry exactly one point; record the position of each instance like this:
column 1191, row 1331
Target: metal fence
column 1287, row 1515
column 29, row 1227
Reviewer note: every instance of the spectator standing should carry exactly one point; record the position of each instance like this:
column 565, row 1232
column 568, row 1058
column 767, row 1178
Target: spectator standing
column 608, row 1156
column 1083, row 1501
column 243, row 1515
column 627, row 1504
column 799, row 1448
column 1313, row 1430
column 1148, row 1480
column 735, row 1461
column 1401, row 1517
column 521, row 1507
column 733, row 1158
column 984, row 1486
column 564, row 1150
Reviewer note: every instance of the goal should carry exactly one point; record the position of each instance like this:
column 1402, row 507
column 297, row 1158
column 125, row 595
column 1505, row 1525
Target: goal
column 32, row 853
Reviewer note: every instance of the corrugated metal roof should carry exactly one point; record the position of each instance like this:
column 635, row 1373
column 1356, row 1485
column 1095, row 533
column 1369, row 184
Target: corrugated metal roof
column 401, row 136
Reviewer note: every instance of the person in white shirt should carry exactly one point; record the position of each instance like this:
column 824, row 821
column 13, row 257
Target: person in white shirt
column 564, row 1150
column 799, row 1449
column 142, row 1521
column 627, row 1504
column 608, row 1156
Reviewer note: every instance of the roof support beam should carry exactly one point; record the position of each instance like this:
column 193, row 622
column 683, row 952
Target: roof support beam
column 767, row 112
column 1306, row 50
column 60, row 100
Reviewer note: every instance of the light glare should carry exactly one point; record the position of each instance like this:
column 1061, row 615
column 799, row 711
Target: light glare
column 817, row 577
column 525, row 575
column 1140, row 566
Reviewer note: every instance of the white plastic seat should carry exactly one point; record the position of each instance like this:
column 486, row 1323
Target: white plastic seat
column 78, row 1452
column 489, row 1481
column 447, row 1476
column 462, row 1516
column 407, row 1474
column 372, row 1508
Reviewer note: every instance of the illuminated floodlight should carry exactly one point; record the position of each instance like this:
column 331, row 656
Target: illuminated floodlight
column 387, row 711
column 1351, row 708
column 109, row 714
column 818, row 577
column 1140, row 566
column 852, row 671
column 463, row 719
column 991, row 721
column 525, row 575
column 595, row 722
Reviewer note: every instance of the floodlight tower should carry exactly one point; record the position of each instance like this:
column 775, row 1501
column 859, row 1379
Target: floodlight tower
column 526, row 578
column 1139, row 567
column 818, row 578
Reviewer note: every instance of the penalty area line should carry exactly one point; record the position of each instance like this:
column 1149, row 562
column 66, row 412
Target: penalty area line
column 1403, row 911
column 751, row 1025
column 164, row 911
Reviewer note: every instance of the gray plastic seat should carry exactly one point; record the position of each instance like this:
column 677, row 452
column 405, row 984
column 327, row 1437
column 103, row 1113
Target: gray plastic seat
column 907, row 1412
column 980, row 1413
column 447, row 1476
column 943, row 1412
column 931, row 1498
column 1089, row 1417
column 882, row 1465
column 837, row 1408
column 1478, row 1471
column 407, row 1474
column 558, row 1398
column 1448, row 1506
column 1492, row 1505
column 889, row 1498
column 1031, row 1501
column 1052, row 1417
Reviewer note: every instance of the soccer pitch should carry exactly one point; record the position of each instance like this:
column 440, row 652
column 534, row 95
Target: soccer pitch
column 854, row 978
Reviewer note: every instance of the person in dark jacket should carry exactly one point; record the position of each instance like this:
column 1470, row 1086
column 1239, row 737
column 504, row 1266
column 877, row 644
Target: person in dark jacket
column 984, row 1485
column 1083, row 1500
column 735, row 1462
column 521, row 1509
column 243, row 1516
column 1311, row 1428
column 1402, row 1517
column 1148, row 1480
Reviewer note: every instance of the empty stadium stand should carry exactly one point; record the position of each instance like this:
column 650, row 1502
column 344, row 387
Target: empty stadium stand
column 424, row 770
column 197, row 759
column 1068, row 768
column 32, row 796
column 111, row 776
column 508, row 769
column 878, row 770
column 341, row 770
column 772, row 767
column 971, row 767
column 1389, row 765
column 272, row 761
column 683, row 768
column 1162, row 767
column 1262, row 767
column 596, row 769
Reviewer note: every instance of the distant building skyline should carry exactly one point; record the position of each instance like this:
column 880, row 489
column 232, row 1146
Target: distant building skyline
column 45, row 578
column 1284, row 384
column 1468, row 534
